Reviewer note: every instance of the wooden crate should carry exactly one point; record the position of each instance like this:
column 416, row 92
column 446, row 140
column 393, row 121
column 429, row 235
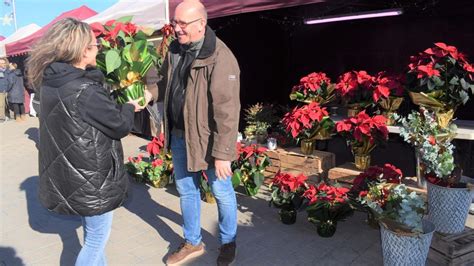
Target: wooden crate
column 453, row 249
column 315, row 166
column 344, row 174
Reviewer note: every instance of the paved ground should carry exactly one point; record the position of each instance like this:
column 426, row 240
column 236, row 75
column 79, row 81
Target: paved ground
column 148, row 226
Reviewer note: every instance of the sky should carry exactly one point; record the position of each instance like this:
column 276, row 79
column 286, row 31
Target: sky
column 41, row 12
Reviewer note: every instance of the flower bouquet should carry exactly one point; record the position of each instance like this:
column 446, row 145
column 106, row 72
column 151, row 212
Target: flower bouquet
column 440, row 78
column 315, row 87
column 249, row 167
column 327, row 205
column 363, row 133
column 125, row 57
column 287, row 191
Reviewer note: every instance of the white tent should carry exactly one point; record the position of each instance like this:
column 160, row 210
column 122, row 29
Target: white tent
column 152, row 13
column 17, row 35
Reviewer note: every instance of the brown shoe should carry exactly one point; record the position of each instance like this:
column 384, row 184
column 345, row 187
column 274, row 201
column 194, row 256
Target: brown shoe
column 24, row 117
column 226, row 254
column 185, row 252
column 18, row 119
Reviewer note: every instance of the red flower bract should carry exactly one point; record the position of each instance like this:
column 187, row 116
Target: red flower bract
column 303, row 118
column 153, row 148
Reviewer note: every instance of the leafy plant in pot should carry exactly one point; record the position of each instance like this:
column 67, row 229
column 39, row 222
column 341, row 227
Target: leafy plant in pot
column 315, row 87
column 448, row 198
column 259, row 117
column 371, row 176
column 406, row 237
column 287, row 191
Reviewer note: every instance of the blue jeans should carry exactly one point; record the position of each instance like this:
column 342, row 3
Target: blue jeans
column 187, row 184
column 96, row 233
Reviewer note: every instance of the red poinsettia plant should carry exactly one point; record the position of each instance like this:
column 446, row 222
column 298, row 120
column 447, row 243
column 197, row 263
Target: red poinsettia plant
column 155, row 146
column 328, row 204
column 363, row 132
column 287, row 189
column 375, row 174
column 249, row 167
column 315, row 87
column 440, row 77
column 303, row 122
column 357, row 88
column 125, row 57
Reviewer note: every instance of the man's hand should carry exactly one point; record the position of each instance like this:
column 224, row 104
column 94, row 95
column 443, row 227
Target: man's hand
column 136, row 104
column 223, row 169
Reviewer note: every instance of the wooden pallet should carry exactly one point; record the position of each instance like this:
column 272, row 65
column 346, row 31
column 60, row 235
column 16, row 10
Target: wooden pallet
column 453, row 249
column 315, row 166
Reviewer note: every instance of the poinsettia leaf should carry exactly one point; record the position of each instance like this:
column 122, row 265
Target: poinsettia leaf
column 112, row 60
column 236, row 178
column 431, row 85
column 258, row 179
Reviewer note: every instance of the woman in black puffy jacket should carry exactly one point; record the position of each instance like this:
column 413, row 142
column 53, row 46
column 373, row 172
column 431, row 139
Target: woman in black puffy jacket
column 81, row 169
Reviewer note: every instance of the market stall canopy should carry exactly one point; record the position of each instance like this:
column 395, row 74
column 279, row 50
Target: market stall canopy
column 151, row 13
column 17, row 35
column 219, row 8
column 24, row 45
column 2, row 38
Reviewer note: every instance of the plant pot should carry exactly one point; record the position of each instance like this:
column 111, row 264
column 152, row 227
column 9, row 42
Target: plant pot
column 406, row 249
column 160, row 183
column 307, row 146
column 353, row 109
column 327, row 228
column 287, row 215
column 209, row 198
column 448, row 208
column 132, row 92
column 362, row 161
column 261, row 138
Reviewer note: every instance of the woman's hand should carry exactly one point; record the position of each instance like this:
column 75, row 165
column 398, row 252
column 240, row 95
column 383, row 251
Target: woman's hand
column 136, row 104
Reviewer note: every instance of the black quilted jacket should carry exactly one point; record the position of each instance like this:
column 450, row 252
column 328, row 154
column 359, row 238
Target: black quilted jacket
column 80, row 153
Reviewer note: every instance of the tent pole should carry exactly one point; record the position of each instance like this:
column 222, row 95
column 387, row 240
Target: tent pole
column 167, row 11
column 14, row 14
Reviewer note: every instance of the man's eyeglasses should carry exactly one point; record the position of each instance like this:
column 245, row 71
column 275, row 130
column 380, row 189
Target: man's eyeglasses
column 182, row 24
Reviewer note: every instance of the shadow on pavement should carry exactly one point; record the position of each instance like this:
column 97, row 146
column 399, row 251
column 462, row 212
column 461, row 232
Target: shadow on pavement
column 44, row 221
column 144, row 206
column 8, row 257
column 33, row 134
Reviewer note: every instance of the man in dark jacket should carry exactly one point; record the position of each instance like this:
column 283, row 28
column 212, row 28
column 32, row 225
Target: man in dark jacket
column 16, row 94
column 5, row 85
column 200, row 89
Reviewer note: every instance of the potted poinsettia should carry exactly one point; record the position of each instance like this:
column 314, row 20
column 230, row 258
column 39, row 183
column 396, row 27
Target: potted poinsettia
column 356, row 89
column 206, row 189
column 249, row 167
column 327, row 206
column 440, row 78
column 373, row 175
column 363, row 133
column 406, row 237
column 287, row 191
column 315, row 87
column 136, row 167
column 125, row 57
column 448, row 198
column 156, row 152
column 388, row 93
column 307, row 123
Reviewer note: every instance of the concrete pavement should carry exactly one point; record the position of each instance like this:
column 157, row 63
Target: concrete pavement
column 148, row 227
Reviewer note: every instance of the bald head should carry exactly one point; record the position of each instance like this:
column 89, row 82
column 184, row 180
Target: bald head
column 192, row 6
column 190, row 19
